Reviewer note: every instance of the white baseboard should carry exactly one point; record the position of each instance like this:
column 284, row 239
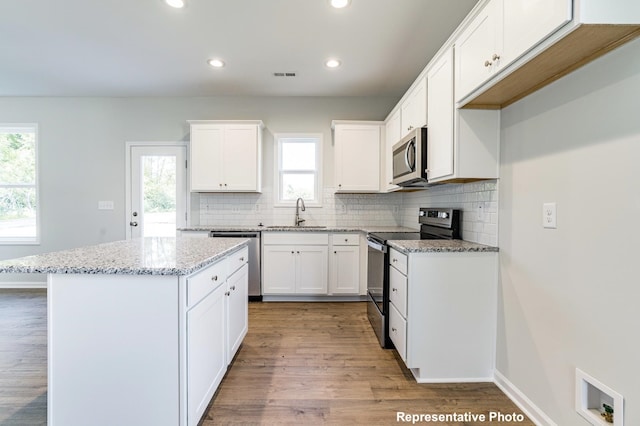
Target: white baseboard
column 532, row 411
column 23, row 284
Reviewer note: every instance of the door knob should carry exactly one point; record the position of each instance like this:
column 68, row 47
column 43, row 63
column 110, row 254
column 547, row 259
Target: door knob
column 133, row 223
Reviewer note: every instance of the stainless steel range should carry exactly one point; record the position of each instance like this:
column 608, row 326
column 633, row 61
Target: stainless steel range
column 435, row 223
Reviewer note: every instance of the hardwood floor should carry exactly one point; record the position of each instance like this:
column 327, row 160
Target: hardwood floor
column 301, row 363
column 320, row 363
column 23, row 357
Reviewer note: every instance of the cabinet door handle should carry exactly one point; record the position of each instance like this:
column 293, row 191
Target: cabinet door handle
column 292, row 252
column 242, row 259
column 495, row 57
column 335, row 252
column 228, row 293
column 233, row 287
column 487, row 63
column 394, row 329
column 298, row 252
column 394, row 289
column 220, row 185
column 214, row 278
column 394, row 260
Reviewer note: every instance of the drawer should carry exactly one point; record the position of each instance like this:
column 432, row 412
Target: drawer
column 398, row 260
column 398, row 331
column 236, row 260
column 205, row 281
column 345, row 239
column 296, row 238
column 398, row 290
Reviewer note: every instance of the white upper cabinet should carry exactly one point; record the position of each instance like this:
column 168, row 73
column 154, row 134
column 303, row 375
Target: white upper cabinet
column 527, row 22
column 414, row 108
column 226, row 156
column 478, row 50
column 393, row 133
column 500, row 34
column 440, row 111
column 357, row 156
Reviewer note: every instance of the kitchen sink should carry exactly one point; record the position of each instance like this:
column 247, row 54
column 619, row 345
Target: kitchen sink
column 296, row 227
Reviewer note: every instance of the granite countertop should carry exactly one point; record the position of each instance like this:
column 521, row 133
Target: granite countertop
column 439, row 246
column 288, row 228
column 140, row 256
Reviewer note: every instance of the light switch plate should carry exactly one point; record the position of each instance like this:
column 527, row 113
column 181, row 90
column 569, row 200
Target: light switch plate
column 549, row 218
column 105, row 205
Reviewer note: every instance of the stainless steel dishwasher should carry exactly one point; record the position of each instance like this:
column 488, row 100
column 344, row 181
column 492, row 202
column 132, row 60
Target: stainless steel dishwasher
column 255, row 288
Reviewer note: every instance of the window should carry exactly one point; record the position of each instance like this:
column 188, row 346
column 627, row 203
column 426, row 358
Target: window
column 18, row 184
column 298, row 163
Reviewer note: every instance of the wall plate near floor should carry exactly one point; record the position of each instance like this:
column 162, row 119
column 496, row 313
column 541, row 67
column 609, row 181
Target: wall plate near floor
column 595, row 401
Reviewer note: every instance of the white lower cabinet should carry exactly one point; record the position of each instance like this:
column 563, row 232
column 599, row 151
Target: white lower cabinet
column 295, row 269
column 443, row 326
column 206, row 361
column 237, row 310
column 216, row 324
column 294, row 263
column 344, row 264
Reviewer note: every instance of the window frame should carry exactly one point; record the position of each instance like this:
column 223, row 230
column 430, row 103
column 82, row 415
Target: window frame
column 36, row 185
column 278, row 140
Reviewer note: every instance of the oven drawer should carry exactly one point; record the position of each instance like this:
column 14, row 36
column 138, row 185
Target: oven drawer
column 398, row 260
column 398, row 331
column 398, row 290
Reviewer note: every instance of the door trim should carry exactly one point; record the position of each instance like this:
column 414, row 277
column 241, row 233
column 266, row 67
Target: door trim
column 127, row 155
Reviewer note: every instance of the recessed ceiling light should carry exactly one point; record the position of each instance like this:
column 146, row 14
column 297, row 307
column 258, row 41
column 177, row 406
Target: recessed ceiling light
column 178, row 4
column 216, row 63
column 332, row 63
column 339, row 4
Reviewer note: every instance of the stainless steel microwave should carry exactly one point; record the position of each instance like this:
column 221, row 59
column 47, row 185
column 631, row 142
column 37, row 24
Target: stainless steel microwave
column 410, row 159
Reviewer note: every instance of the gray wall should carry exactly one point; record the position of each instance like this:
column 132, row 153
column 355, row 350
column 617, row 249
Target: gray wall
column 569, row 297
column 82, row 149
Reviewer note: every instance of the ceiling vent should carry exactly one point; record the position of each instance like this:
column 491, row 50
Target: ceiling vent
column 284, row 74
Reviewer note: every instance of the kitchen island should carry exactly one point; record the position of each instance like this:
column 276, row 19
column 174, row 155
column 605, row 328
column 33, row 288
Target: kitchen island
column 140, row 331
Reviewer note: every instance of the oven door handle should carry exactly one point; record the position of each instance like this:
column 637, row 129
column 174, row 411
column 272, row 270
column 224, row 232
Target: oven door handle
column 377, row 246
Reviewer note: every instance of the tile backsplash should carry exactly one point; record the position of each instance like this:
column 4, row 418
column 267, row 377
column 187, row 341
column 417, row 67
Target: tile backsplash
column 478, row 202
column 337, row 210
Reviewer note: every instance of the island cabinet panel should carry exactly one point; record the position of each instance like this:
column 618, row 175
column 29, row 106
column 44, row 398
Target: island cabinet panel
column 113, row 355
column 143, row 348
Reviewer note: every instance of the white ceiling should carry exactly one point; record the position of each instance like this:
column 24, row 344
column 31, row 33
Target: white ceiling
column 145, row 48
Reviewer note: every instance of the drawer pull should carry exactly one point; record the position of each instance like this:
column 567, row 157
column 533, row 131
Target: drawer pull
column 487, row 63
column 394, row 329
column 242, row 259
column 394, row 260
column 394, row 289
column 214, row 278
column 233, row 287
column 346, row 240
column 228, row 293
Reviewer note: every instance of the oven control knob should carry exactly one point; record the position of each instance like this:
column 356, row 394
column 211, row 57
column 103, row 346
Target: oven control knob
column 443, row 215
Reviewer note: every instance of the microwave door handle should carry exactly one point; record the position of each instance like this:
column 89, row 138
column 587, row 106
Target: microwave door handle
column 406, row 155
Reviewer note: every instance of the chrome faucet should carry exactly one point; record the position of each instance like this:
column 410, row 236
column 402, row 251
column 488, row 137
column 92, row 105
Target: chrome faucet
column 298, row 220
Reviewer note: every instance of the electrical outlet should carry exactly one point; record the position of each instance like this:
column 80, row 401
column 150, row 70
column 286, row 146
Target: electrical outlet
column 256, row 207
column 549, row 219
column 480, row 212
